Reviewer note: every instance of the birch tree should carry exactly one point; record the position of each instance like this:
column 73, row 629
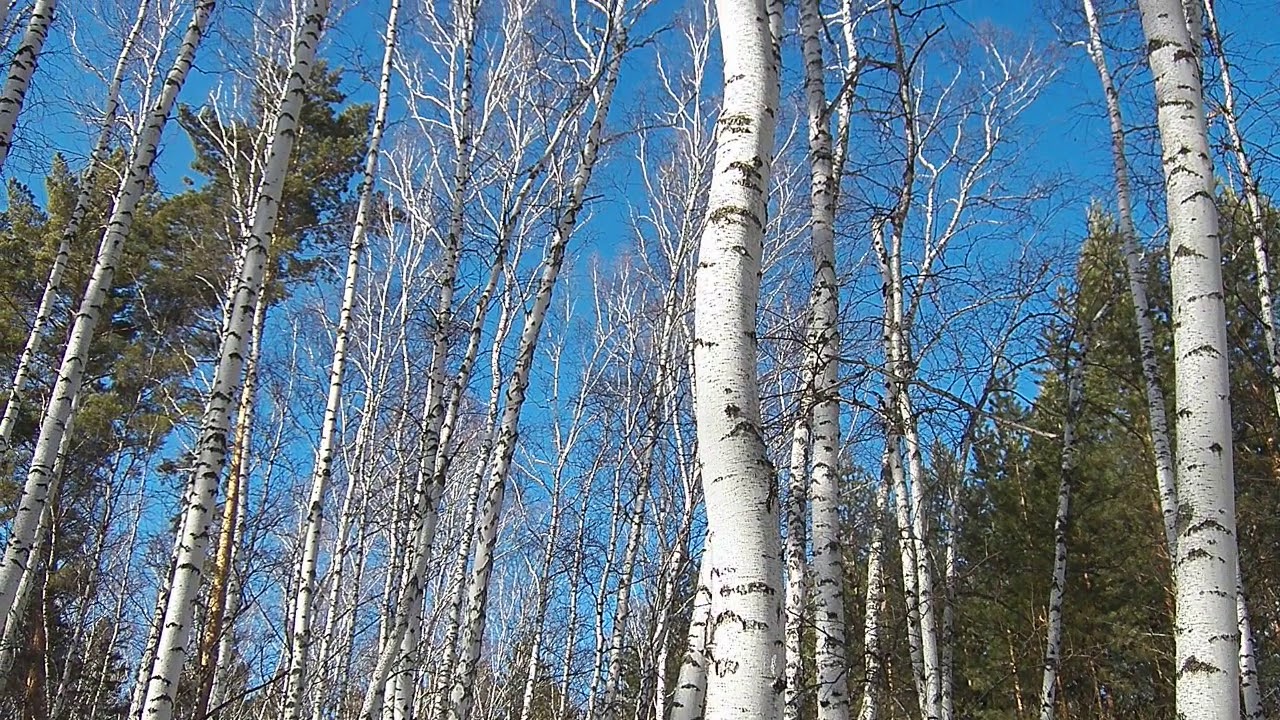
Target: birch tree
column 21, row 70
column 745, row 628
column 1206, row 631
column 71, row 370
column 297, row 679
column 172, row 648
column 44, row 311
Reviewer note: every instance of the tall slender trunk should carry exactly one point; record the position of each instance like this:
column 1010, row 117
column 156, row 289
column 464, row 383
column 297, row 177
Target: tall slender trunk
column 1249, row 690
column 797, row 562
column 1159, row 423
column 871, row 695
column 211, row 453
column 823, row 351
column 1205, row 626
column 689, row 700
column 58, row 412
column 462, row 691
column 741, row 488
column 20, row 72
column 300, row 646
column 228, row 535
column 1253, row 201
column 10, row 643
column 44, row 310
column 1073, row 374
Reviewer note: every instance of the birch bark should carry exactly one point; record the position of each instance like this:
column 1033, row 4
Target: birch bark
column 1160, row 437
column 300, row 646
column 746, row 628
column 823, row 347
column 44, row 310
column 20, row 72
column 1073, row 373
column 1206, row 633
column 211, row 453
column 58, row 412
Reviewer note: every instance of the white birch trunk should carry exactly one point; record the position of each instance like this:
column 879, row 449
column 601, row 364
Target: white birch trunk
column 58, row 412
column 44, row 310
column 211, row 454
column 796, row 557
column 20, row 72
column 1160, row 438
column 1205, row 626
column 301, row 639
column 461, row 694
column 1249, row 690
column 688, row 702
column 745, row 681
column 870, row 709
column 1073, row 374
column 823, row 348
column 1253, row 202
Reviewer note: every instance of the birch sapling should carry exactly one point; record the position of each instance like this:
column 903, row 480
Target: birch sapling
column 1205, row 626
column 211, row 446
column 58, row 411
column 21, row 70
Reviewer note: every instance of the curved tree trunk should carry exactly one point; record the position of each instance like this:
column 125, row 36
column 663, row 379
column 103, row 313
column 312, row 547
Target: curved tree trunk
column 58, row 412
column 1208, row 684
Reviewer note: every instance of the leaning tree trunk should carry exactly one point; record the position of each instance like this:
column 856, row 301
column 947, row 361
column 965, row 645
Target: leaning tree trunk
column 58, row 412
column 24, row 66
column 228, row 536
column 44, row 310
column 301, row 639
column 461, row 694
column 211, row 447
column 741, row 489
column 1204, row 569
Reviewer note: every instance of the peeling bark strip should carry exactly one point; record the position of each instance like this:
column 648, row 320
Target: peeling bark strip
column 1205, row 626
column 24, row 66
column 745, row 678
column 211, row 447
column 300, row 647
column 58, row 412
